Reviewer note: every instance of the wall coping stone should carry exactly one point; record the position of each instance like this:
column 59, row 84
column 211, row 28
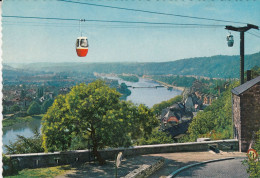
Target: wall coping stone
column 124, row 148
column 129, row 148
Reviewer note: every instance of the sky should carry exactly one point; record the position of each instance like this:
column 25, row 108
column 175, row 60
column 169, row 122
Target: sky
column 35, row 40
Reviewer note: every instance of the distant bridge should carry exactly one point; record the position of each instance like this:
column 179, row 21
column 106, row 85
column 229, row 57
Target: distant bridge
column 159, row 86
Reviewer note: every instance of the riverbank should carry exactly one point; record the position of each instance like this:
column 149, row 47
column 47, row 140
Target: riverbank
column 17, row 120
column 165, row 84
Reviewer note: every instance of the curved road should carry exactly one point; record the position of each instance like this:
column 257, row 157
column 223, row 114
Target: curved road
column 228, row 168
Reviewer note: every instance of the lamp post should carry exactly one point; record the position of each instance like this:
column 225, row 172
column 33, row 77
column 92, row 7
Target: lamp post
column 242, row 31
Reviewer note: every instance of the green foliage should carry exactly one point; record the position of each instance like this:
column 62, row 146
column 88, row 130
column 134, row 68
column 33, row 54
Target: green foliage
column 255, row 71
column 23, row 93
column 40, row 92
column 208, row 86
column 9, row 167
column 26, row 145
column 49, row 172
column 17, row 120
column 94, row 112
column 46, row 104
column 175, row 80
column 216, row 120
column 123, row 89
column 254, row 166
column 15, row 108
column 157, row 108
column 214, row 66
column 34, row 109
column 156, row 137
column 131, row 78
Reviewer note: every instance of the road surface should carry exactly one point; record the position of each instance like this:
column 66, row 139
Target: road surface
column 228, row 168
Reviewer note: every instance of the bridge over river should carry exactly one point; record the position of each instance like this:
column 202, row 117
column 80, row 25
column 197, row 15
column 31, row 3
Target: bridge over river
column 159, row 86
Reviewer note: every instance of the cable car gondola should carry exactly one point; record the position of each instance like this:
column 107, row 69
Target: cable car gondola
column 82, row 46
column 230, row 40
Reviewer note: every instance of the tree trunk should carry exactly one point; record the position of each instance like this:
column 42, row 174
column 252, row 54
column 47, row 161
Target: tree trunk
column 101, row 161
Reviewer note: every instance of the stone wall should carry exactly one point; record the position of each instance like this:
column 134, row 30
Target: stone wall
column 236, row 118
column 250, row 115
column 36, row 160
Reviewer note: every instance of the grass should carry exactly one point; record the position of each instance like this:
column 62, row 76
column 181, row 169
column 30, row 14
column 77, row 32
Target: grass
column 42, row 172
column 12, row 121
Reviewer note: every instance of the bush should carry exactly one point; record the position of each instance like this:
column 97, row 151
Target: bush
column 254, row 166
column 34, row 108
column 26, row 145
column 157, row 108
column 9, row 166
column 15, row 108
column 157, row 137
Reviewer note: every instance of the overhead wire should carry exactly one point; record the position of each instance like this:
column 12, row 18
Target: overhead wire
column 113, row 21
column 108, row 25
column 253, row 34
column 151, row 12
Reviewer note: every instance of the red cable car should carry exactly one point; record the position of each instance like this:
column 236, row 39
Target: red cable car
column 82, row 46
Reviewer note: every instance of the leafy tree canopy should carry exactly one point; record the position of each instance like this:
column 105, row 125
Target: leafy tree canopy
column 46, row 104
column 26, row 145
column 94, row 112
column 156, row 137
column 215, row 121
column 34, row 108
column 253, row 166
column 157, row 108
column 15, row 108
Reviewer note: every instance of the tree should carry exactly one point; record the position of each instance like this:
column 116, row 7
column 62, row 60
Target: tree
column 253, row 166
column 34, row 108
column 157, row 108
column 40, row 92
column 26, row 145
column 95, row 113
column 156, row 137
column 46, row 104
column 15, row 108
column 216, row 120
column 23, row 94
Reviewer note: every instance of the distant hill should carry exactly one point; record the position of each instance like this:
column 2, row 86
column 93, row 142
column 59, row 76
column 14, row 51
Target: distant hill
column 216, row 66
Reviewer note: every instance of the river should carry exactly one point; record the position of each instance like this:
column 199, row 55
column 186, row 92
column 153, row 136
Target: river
column 147, row 96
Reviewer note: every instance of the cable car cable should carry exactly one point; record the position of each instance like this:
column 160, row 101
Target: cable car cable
column 152, row 12
column 253, row 34
column 100, row 25
column 111, row 21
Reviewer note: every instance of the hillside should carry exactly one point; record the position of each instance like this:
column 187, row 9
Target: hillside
column 215, row 66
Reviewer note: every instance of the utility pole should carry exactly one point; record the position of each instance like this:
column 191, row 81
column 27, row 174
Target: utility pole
column 242, row 31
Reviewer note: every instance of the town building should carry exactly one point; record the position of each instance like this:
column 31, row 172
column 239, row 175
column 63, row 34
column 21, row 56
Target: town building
column 246, row 112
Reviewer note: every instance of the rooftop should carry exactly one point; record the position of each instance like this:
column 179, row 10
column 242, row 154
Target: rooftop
column 242, row 88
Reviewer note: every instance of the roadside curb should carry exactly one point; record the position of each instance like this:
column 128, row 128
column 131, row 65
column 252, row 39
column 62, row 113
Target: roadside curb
column 175, row 173
column 146, row 169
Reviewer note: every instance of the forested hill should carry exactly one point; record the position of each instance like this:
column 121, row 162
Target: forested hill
column 215, row 66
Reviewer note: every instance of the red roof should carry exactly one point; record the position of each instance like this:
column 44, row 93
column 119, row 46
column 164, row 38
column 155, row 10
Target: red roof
column 173, row 118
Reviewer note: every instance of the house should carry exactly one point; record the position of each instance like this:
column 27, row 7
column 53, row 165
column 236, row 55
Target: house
column 173, row 115
column 179, row 130
column 246, row 112
column 193, row 103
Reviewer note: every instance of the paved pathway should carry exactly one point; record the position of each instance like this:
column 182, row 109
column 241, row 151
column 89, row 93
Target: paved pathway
column 173, row 161
column 228, row 168
column 93, row 170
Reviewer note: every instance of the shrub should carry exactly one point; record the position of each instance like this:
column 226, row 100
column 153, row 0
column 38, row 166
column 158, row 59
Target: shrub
column 9, row 166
